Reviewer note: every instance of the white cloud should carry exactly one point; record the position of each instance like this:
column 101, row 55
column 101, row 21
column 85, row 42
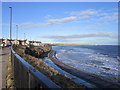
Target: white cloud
column 69, row 28
column 86, row 38
column 110, row 17
column 66, row 19
column 85, row 12
column 29, row 25
column 86, row 35
column 48, row 16
column 92, row 14
column 1, row 24
column 86, row 16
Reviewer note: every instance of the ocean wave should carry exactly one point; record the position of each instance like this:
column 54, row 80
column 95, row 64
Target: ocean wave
column 89, row 61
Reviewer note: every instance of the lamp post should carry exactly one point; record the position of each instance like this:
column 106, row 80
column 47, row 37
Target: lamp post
column 16, row 32
column 24, row 38
column 10, row 25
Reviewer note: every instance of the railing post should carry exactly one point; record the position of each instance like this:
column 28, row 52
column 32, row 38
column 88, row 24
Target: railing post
column 31, row 81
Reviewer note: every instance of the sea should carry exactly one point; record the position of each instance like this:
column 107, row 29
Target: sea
column 96, row 60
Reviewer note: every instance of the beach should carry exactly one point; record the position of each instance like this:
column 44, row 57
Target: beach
column 93, row 78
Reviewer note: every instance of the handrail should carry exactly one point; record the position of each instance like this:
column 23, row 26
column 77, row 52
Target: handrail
column 35, row 73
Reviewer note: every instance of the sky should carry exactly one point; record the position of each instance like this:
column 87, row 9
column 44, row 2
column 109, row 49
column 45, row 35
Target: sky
column 63, row 22
column 60, row 0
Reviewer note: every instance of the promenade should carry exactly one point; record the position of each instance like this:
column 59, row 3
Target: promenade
column 4, row 56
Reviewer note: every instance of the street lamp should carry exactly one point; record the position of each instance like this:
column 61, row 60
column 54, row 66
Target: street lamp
column 24, row 38
column 30, row 38
column 10, row 24
column 16, row 32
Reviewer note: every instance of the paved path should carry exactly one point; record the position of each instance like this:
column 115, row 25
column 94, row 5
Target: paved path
column 4, row 56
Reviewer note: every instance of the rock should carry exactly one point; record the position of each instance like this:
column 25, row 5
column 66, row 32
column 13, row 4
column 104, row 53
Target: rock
column 9, row 76
column 9, row 83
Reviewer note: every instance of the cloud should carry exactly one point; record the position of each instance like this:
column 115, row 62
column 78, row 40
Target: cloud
column 48, row 16
column 1, row 24
column 86, row 35
column 92, row 14
column 29, row 25
column 69, row 28
column 86, row 16
column 66, row 19
column 110, row 17
column 87, row 38
column 85, row 12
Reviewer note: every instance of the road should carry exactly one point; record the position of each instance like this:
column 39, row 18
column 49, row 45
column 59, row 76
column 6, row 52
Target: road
column 4, row 56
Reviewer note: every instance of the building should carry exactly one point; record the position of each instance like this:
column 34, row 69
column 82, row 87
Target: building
column 24, row 42
column 16, row 42
column 2, row 44
column 35, row 43
column 27, row 42
column 7, row 42
column 21, row 42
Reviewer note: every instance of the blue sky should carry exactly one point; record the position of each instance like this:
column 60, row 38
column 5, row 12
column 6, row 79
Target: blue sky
column 63, row 22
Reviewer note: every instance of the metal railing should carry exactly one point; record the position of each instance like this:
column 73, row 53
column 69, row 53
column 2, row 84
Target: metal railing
column 26, row 76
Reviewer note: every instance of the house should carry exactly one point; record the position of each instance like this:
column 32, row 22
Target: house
column 16, row 42
column 1, row 40
column 21, row 42
column 41, row 44
column 27, row 42
column 7, row 42
column 24, row 42
column 36, row 43
column 2, row 44
column 30, row 42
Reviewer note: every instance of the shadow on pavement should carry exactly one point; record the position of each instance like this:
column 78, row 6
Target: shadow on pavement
column 4, row 54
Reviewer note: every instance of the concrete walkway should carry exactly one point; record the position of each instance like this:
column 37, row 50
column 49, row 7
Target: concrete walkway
column 4, row 56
